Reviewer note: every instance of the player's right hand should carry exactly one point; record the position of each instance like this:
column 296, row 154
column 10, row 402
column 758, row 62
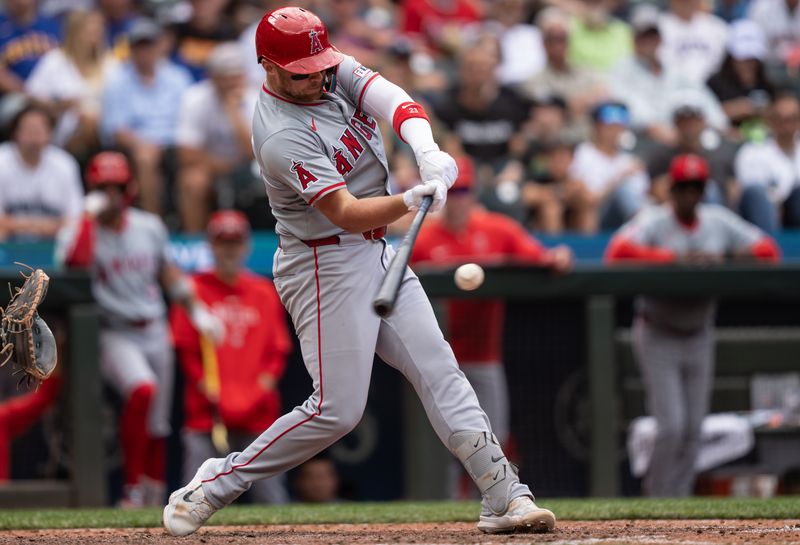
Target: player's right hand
column 436, row 188
column 95, row 202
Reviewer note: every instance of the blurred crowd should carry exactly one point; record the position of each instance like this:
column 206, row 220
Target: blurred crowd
column 570, row 111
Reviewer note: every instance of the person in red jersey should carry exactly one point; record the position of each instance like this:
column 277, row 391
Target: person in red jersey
column 251, row 359
column 673, row 340
column 466, row 233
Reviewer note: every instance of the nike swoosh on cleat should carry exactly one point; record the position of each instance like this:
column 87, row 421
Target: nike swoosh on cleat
column 188, row 496
column 495, row 460
column 496, row 475
column 476, row 443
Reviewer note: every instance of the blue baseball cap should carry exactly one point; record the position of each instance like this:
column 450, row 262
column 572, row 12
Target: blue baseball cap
column 611, row 113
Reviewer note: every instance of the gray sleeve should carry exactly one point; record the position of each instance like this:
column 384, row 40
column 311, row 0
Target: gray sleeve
column 740, row 234
column 352, row 79
column 297, row 159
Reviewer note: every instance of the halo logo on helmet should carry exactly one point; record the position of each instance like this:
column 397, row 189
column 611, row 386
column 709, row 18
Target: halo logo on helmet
column 316, row 47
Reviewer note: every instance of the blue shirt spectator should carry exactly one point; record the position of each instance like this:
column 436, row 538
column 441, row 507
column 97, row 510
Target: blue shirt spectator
column 25, row 36
column 148, row 109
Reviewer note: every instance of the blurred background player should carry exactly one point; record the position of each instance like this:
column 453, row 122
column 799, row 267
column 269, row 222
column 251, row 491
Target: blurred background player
column 674, row 340
column 466, row 233
column 126, row 252
column 251, row 360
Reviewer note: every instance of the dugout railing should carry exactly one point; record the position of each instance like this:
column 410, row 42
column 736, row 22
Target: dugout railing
column 595, row 288
column 71, row 311
column 599, row 288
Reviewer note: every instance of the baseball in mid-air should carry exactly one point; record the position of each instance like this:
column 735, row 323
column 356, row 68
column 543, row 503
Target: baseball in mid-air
column 469, row 276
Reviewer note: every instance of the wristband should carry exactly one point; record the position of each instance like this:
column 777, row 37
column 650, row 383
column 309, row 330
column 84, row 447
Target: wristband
column 407, row 110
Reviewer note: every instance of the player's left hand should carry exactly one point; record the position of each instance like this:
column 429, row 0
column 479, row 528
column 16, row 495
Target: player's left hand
column 206, row 323
column 435, row 164
column 435, row 188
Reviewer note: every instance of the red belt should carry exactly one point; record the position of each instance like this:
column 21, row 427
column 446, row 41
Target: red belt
column 373, row 234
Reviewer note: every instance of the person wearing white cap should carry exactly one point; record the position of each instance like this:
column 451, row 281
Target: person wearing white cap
column 741, row 84
column 213, row 135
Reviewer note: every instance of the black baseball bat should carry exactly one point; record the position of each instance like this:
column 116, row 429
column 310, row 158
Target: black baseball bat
column 387, row 293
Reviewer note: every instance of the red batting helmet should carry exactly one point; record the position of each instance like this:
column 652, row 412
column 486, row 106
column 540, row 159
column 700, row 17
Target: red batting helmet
column 296, row 40
column 688, row 168
column 108, row 167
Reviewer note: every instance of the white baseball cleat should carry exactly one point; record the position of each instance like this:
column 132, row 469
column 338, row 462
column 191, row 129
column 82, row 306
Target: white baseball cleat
column 187, row 508
column 522, row 515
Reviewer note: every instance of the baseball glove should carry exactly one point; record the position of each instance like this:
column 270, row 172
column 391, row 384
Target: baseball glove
column 25, row 338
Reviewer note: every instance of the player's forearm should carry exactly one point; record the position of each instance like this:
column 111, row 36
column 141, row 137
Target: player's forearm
column 358, row 215
column 385, row 100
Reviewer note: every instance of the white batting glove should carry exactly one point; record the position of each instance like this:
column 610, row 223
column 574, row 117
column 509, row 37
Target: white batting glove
column 437, row 165
column 206, row 323
column 95, row 202
column 436, row 188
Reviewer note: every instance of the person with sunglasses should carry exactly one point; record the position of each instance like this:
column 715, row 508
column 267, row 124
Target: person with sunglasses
column 322, row 158
column 673, row 340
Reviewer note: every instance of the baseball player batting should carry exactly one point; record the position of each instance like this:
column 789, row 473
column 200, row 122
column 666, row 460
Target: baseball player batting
column 674, row 340
column 316, row 138
column 126, row 253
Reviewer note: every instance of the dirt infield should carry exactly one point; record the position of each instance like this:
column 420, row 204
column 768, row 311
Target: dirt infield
column 651, row 532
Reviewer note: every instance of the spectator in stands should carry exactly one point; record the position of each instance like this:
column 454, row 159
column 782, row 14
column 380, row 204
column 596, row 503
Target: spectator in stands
column 778, row 20
column 694, row 135
column 361, row 29
column 80, row 67
column 140, row 108
column 438, row 24
column 693, row 41
column 250, row 360
column 674, row 340
column 25, row 36
column 648, row 87
column 483, row 115
column 616, row 179
column 316, row 481
column 741, row 83
column 578, row 87
column 119, row 16
column 521, row 50
column 555, row 198
column 769, row 171
column 40, row 184
column 598, row 40
column 464, row 233
column 208, row 26
column 213, row 134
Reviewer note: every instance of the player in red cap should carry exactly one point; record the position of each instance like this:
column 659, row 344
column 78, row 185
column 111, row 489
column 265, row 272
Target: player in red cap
column 466, row 233
column 674, row 340
column 320, row 149
column 249, row 362
column 126, row 252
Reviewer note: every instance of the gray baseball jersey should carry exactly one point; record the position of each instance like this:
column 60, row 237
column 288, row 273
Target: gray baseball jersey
column 308, row 150
column 718, row 231
column 126, row 265
column 674, row 341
